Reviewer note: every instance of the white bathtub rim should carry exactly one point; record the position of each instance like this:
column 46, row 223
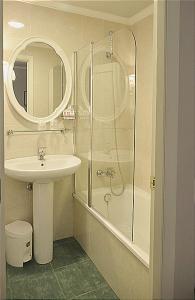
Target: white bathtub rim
column 145, row 194
column 142, row 256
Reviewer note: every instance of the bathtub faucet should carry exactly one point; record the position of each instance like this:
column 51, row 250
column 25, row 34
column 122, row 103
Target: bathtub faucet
column 108, row 172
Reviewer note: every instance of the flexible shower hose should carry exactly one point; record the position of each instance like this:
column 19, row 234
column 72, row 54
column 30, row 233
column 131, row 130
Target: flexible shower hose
column 118, row 161
column 109, row 55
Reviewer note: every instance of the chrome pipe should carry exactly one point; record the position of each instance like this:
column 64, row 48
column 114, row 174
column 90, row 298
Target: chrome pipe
column 90, row 161
column 76, row 109
column 74, row 101
column 63, row 130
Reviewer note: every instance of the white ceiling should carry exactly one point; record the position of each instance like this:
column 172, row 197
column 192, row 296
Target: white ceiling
column 124, row 9
column 124, row 12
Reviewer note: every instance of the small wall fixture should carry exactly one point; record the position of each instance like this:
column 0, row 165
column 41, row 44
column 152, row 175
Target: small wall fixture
column 15, row 24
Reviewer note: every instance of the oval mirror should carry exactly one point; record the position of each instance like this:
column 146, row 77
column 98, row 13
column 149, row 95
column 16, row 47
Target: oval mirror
column 39, row 80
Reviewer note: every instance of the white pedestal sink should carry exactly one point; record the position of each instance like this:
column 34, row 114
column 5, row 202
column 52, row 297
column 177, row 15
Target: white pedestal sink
column 42, row 174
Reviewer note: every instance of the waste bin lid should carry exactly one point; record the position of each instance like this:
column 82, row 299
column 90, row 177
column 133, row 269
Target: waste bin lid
column 18, row 228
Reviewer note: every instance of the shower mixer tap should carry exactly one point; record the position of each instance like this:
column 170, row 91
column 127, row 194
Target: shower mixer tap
column 108, row 172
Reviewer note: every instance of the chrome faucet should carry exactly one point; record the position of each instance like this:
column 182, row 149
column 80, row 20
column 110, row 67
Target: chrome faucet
column 108, row 172
column 41, row 153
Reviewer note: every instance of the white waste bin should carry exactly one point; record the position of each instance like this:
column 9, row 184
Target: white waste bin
column 18, row 243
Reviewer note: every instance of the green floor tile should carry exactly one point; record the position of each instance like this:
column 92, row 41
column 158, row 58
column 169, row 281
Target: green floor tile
column 66, row 240
column 100, row 294
column 91, row 274
column 29, row 269
column 105, row 293
column 79, row 278
column 8, row 291
column 44, row 286
column 66, row 253
column 71, row 275
column 71, row 281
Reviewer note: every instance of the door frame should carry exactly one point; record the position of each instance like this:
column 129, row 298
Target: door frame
column 172, row 212
column 157, row 167
column 2, row 231
column 178, row 220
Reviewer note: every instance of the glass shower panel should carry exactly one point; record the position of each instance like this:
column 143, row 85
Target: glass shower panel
column 113, row 139
column 82, row 136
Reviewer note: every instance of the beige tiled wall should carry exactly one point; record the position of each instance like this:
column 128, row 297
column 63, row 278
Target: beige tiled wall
column 128, row 277
column 70, row 32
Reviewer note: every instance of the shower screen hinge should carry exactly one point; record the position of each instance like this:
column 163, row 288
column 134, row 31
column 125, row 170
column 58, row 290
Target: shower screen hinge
column 152, row 182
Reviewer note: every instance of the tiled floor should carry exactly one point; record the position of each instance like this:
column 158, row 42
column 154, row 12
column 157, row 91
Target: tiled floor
column 71, row 275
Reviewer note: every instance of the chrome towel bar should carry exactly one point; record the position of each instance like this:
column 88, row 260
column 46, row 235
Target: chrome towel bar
column 63, row 130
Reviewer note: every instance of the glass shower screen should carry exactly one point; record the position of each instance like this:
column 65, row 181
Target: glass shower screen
column 105, row 138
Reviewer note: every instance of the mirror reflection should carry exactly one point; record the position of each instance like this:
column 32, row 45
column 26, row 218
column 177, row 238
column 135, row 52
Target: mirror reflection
column 39, row 79
column 109, row 70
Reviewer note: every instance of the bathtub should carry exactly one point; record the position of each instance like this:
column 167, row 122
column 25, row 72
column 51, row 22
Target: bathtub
column 131, row 227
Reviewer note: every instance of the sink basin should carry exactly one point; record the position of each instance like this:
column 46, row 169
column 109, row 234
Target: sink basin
column 42, row 174
column 30, row 169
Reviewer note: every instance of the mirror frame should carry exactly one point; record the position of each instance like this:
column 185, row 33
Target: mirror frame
column 9, row 83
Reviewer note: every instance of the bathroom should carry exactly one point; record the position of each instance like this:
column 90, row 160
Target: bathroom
column 122, row 144
column 80, row 144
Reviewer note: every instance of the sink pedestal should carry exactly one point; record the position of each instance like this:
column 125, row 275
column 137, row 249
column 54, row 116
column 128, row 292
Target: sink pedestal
column 31, row 169
column 43, row 221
